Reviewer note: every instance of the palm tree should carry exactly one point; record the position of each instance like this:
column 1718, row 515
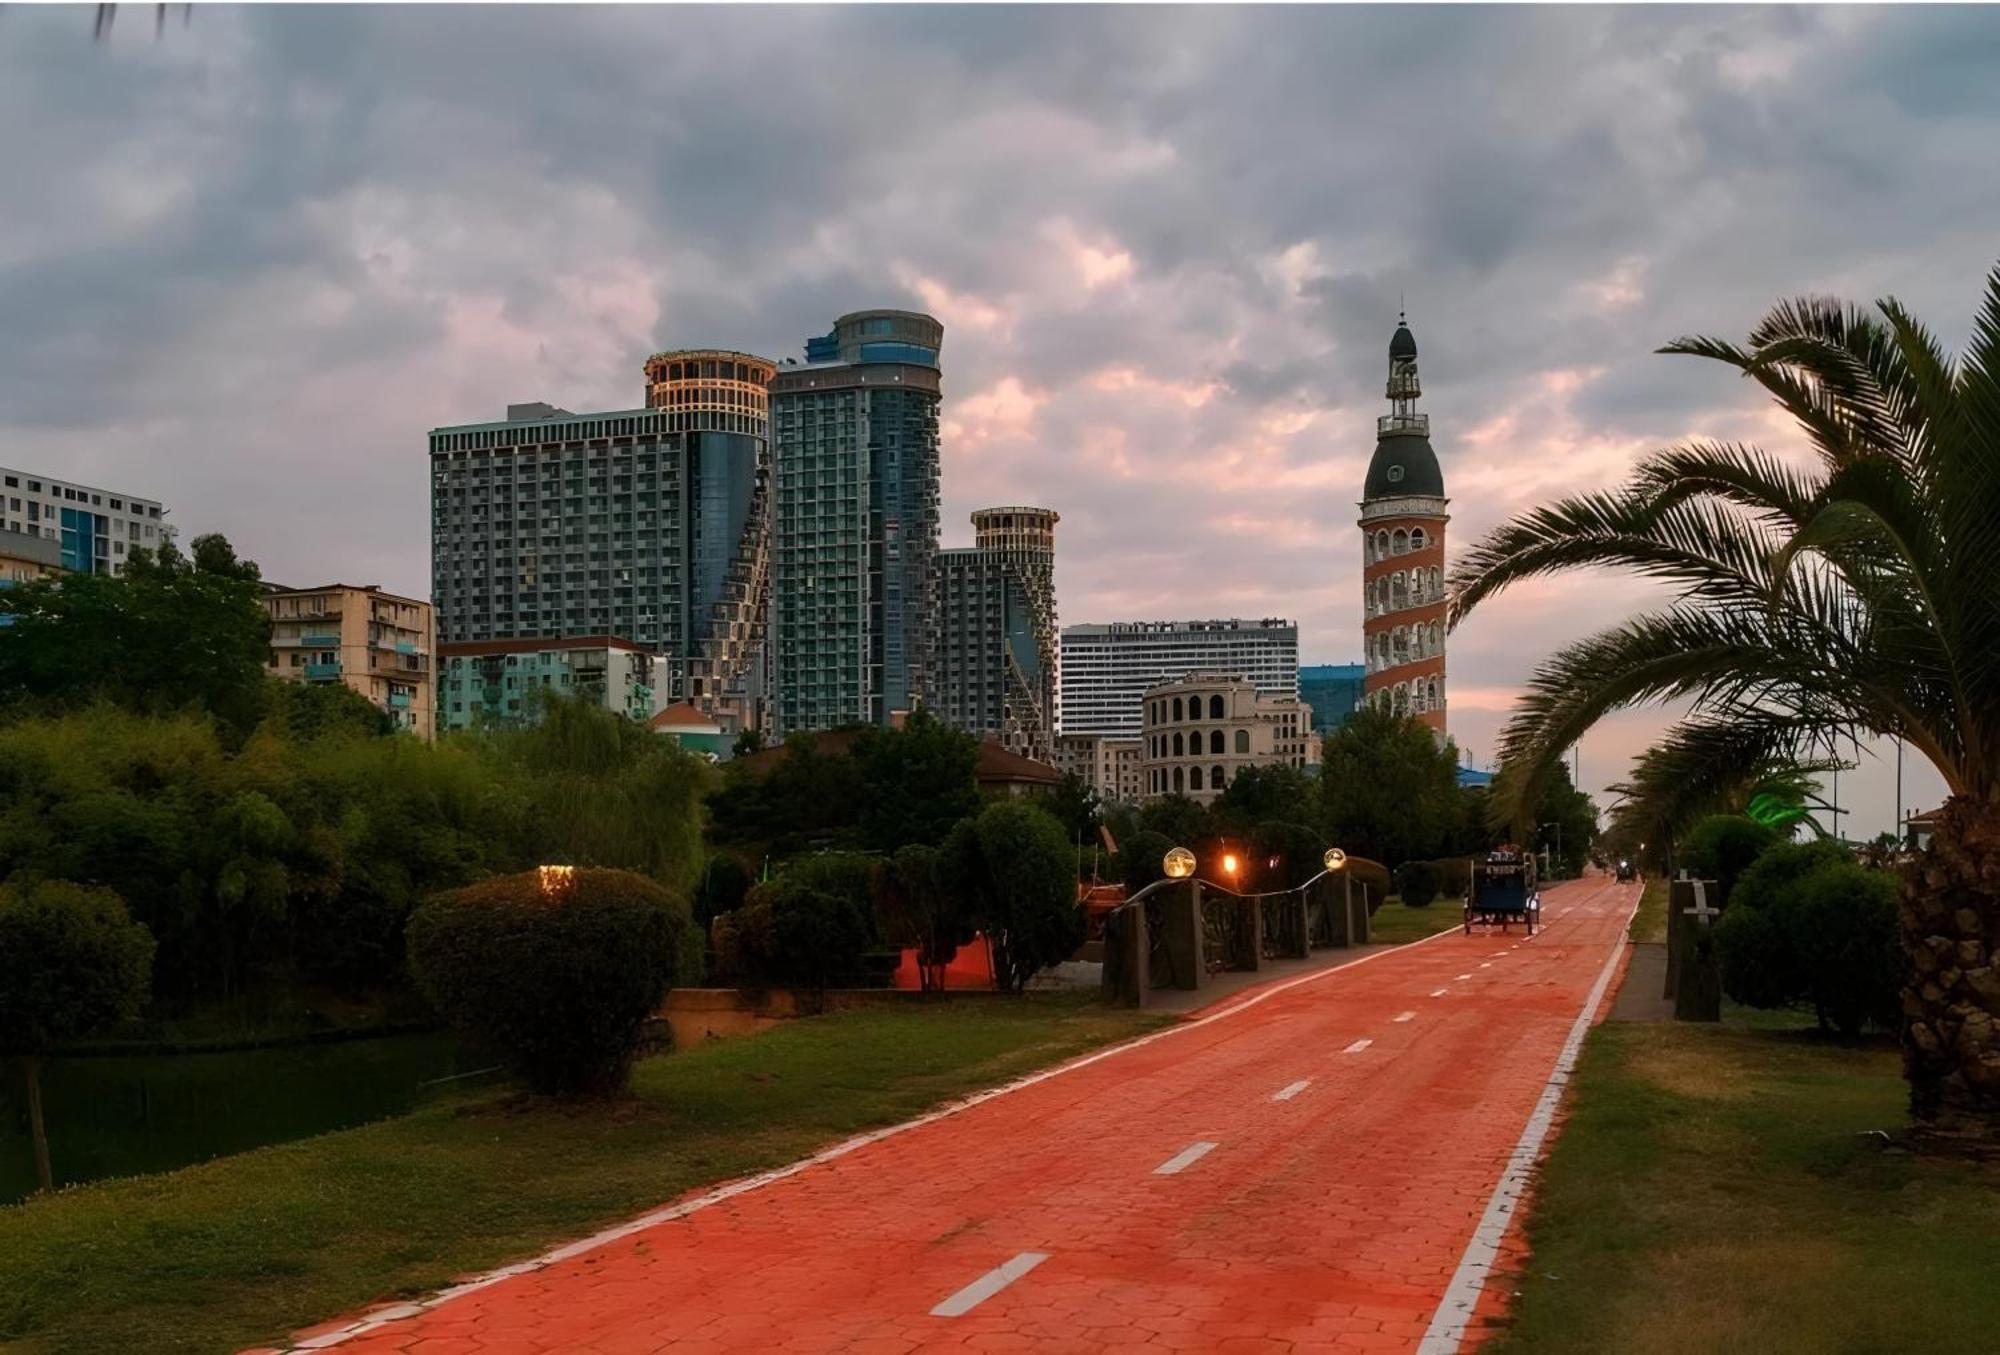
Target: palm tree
column 1860, row 591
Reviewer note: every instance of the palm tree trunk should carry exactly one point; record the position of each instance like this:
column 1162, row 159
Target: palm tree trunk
column 31, row 1069
column 1951, row 991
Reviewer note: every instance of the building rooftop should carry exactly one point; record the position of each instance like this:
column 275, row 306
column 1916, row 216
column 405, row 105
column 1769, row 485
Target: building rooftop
column 273, row 589
column 1161, row 627
column 536, row 645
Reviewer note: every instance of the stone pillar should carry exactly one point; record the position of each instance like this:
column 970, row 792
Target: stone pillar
column 1691, row 914
column 1358, row 930
column 1253, row 933
column 1184, row 938
column 1126, row 982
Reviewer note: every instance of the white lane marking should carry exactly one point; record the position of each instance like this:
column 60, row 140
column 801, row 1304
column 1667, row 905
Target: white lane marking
column 1357, row 1046
column 1487, row 965
column 1462, row 977
column 1184, row 1159
column 1454, row 1310
column 989, row 1284
column 1440, row 992
column 1406, row 1016
column 371, row 1321
column 1288, row 1092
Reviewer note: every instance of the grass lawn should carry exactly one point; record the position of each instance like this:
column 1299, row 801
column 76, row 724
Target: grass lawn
column 248, row 1248
column 1650, row 922
column 1394, row 924
column 1715, row 1189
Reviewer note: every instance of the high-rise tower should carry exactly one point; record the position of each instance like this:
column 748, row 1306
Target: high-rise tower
column 1402, row 524
column 993, row 647
column 854, row 440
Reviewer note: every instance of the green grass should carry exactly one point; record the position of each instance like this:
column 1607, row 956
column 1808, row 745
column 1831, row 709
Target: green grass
column 1649, row 923
column 248, row 1248
column 1719, row 1189
column 1395, row 924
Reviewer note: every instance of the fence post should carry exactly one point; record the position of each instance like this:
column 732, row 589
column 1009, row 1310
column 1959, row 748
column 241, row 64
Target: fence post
column 1254, row 934
column 1358, row 925
column 1126, row 981
column 1184, row 938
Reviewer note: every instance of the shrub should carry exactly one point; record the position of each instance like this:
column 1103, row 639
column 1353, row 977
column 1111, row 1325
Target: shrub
column 1012, row 865
column 1806, row 924
column 1139, row 858
column 1418, row 883
column 71, row 961
column 559, row 982
column 914, row 908
column 1722, row 846
column 1295, row 848
column 724, row 885
column 791, row 932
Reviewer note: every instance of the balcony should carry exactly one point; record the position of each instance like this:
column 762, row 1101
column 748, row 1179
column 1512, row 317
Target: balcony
column 323, row 672
column 319, row 642
column 1387, row 424
column 399, row 700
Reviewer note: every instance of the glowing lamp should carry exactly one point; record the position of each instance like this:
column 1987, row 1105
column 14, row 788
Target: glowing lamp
column 1334, row 858
column 556, row 880
column 1178, row 863
column 1229, row 862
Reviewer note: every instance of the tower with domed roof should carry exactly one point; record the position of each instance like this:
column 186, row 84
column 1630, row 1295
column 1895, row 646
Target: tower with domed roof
column 1402, row 524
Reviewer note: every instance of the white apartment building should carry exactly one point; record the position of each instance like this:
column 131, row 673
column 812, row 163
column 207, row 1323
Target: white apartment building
column 1106, row 669
column 1201, row 731
column 93, row 529
column 1109, row 766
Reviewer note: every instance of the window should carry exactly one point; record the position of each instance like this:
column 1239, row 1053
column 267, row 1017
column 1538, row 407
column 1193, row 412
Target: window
column 1242, row 740
column 1194, row 778
column 1215, row 707
column 1179, row 749
column 1400, row 542
column 1178, row 786
column 1177, row 712
column 1417, row 541
column 1215, row 778
column 1214, row 740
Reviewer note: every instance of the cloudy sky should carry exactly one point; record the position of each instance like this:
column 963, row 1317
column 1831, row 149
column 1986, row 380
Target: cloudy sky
column 246, row 264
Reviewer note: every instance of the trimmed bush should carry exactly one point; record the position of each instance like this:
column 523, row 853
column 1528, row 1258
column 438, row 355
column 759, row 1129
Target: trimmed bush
column 1417, row 881
column 795, row 934
column 1807, row 925
column 1012, row 865
column 1722, row 846
column 558, row 983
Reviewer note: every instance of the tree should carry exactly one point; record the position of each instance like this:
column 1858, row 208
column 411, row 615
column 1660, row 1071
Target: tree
column 1856, row 592
column 1390, row 788
column 1140, row 858
column 317, row 710
column 171, row 633
column 1177, row 818
column 1722, row 847
column 919, row 780
column 1567, row 822
column 1014, row 869
column 71, row 962
column 915, row 908
column 1259, row 795
column 1074, row 805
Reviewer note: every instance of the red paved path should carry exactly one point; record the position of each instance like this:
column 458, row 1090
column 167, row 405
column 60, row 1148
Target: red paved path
column 1329, row 1221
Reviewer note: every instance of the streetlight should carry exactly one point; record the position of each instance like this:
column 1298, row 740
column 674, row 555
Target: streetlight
column 1335, row 859
column 1178, row 863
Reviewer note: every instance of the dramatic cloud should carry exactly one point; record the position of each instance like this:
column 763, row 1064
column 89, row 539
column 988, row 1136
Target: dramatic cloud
column 245, row 266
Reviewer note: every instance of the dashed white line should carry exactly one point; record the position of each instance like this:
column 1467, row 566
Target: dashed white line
column 1487, row 965
column 1462, row 977
column 1288, row 1092
column 1184, row 1159
column 1406, row 1016
column 1440, row 992
column 1357, row 1046
column 989, row 1284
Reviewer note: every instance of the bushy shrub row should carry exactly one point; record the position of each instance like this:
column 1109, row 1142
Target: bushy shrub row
column 1806, row 925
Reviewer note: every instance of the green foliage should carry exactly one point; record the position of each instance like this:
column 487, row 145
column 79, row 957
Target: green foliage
column 317, row 710
column 1180, row 820
column 807, row 799
column 724, row 883
column 1017, row 874
column 1806, row 925
column 1417, row 882
column 560, row 984
column 918, row 781
column 913, row 907
column 1260, row 795
column 1390, row 789
column 71, row 962
column 1074, row 805
column 1722, row 846
column 793, row 932
column 1139, row 859
column 1284, row 855
column 171, row 633
column 1566, row 821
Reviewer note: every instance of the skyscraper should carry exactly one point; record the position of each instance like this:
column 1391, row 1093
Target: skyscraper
column 1106, row 669
column 640, row 524
column 854, row 436
column 1402, row 552
column 993, row 650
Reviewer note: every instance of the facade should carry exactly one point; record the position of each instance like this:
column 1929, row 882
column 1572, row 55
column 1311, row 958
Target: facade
column 376, row 643
column 1202, row 730
column 694, row 730
column 1112, row 767
column 25, row 558
column 993, row 642
column 1106, row 669
column 498, row 682
column 647, row 523
column 94, row 529
column 1402, row 525
column 1334, row 691
column 854, row 438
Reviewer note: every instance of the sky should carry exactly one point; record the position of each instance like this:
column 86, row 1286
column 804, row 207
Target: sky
column 246, row 263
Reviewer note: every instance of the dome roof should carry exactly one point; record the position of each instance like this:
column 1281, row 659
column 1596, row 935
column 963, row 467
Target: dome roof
column 1402, row 344
column 1403, row 464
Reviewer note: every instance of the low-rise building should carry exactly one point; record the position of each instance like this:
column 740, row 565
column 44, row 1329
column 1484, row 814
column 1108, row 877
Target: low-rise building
column 500, row 682
column 24, row 558
column 1201, row 731
column 92, row 529
column 377, row 643
column 694, row 730
column 1110, row 766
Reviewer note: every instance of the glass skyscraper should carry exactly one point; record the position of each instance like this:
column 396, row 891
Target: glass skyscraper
column 854, row 438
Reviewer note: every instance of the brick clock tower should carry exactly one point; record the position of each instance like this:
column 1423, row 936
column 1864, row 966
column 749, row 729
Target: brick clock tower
column 1402, row 553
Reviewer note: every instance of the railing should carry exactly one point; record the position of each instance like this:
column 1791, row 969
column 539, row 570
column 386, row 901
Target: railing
column 1385, row 424
column 316, row 672
column 1180, row 933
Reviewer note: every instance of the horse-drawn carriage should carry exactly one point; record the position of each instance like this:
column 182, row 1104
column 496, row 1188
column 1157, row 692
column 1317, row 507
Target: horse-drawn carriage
column 1503, row 890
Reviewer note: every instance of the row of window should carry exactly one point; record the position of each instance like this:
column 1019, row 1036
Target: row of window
column 1217, row 708
column 1417, row 587
column 1384, row 543
column 1414, row 697
column 1163, row 746
column 1405, row 644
